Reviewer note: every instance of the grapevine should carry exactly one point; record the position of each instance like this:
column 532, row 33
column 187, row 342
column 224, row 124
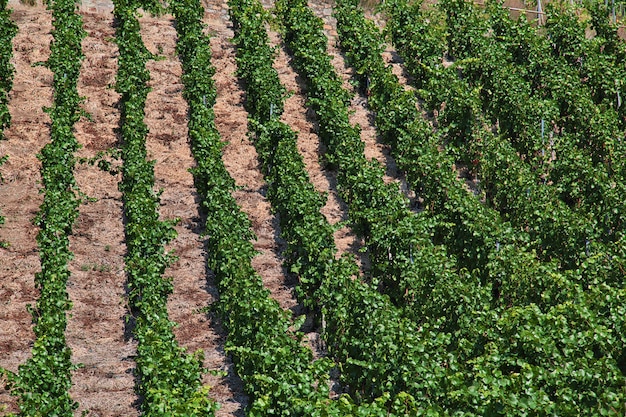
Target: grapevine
column 43, row 381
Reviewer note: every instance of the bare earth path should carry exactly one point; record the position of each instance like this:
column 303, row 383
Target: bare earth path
column 104, row 385
column 96, row 332
column 19, row 193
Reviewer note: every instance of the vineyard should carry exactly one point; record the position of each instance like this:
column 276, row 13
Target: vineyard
column 256, row 208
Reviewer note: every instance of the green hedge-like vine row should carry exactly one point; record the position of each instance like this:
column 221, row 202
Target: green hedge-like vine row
column 44, row 381
column 398, row 240
column 541, row 100
column 459, row 336
column 588, row 96
column 8, row 30
column 168, row 378
column 403, row 257
column 309, row 237
column 481, row 240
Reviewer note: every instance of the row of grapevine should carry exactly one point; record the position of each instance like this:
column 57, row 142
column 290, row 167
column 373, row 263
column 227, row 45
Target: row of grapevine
column 597, row 82
column 8, row 30
column 168, row 378
column 461, row 122
column 405, row 259
column 311, row 251
column 460, row 109
column 452, row 299
column 278, row 371
column 44, row 380
column 592, row 134
column 610, row 90
column 521, row 360
column 459, row 117
column 476, row 234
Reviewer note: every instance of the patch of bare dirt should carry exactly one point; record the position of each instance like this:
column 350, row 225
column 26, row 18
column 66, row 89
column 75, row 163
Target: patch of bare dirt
column 104, row 384
column 19, row 193
column 167, row 143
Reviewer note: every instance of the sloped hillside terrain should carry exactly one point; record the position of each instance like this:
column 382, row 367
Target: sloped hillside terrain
column 469, row 255
column 97, row 330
